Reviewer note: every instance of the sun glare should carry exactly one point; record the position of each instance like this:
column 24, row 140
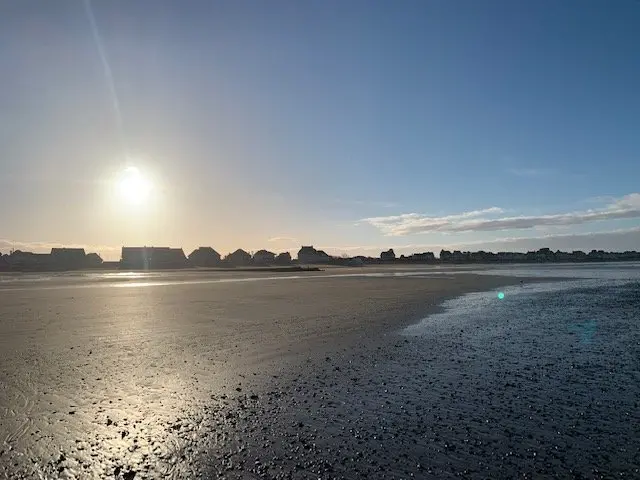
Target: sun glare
column 133, row 187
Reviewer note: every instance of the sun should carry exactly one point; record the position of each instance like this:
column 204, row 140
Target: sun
column 133, row 186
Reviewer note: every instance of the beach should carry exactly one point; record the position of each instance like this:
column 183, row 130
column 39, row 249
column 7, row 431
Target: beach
column 217, row 375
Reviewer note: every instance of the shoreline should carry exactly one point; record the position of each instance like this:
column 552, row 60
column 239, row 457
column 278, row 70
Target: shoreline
column 397, row 265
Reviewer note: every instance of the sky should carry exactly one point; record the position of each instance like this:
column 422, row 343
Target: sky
column 351, row 126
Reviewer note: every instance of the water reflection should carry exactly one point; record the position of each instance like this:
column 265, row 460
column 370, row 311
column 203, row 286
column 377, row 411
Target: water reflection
column 98, row 384
column 585, row 330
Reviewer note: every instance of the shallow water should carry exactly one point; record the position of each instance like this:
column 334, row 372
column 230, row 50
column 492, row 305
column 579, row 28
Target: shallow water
column 525, row 300
column 30, row 281
column 555, row 368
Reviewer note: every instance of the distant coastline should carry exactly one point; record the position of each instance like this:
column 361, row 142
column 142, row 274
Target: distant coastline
column 308, row 258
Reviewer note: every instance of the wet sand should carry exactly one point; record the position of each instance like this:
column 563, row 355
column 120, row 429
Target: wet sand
column 279, row 378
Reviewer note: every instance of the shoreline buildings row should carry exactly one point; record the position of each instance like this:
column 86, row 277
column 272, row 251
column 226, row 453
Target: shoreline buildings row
column 162, row 258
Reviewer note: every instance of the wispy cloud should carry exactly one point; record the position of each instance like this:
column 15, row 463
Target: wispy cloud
column 530, row 172
column 539, row 172
column 407, row 223
column 485, row 220
column 619, row 240
column 283, row 239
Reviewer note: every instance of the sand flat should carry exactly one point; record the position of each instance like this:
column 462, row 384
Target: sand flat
column 77, row 357
column 259, row 316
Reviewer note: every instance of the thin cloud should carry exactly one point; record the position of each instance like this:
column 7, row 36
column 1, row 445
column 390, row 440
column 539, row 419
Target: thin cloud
column 530, row 172
column 482, row 221
column 283, row 239
column 606, row 199
column 618, row 240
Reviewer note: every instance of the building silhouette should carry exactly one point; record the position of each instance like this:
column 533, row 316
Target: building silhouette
column 283, row 258
column 29, row 261
column 4, row 263
column 68, row 258
column 204, row 257
column 264, row 257
column 239, row 258
column 308, row 254
column 152, row 258
column 93, row 260
column 387, row 256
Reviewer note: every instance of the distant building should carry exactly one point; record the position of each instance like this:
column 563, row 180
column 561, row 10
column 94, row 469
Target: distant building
column 445, row 256
column 309, row 255
column 152, row 258
column 480, row 257
column 238, row 258
column 166, row 258
column 602, row 256
column 545, row 255
column 19, row 260
column 283, row 258
column 68, row 258
column 388, row 256
column 204, row 257
column 93, row 260
column 324, row 256
column 4, row 263
column 511, row 257
column 136, row 258
column 356, row 261
column 264, row 257
column 458, row 256
column 426, row 257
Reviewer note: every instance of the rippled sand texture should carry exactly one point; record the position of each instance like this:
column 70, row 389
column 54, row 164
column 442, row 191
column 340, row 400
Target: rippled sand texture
column 306, row 378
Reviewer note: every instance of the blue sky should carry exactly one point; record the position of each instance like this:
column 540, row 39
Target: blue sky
column 349, row 125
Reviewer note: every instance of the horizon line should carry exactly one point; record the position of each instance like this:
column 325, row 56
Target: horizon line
column 252, row 252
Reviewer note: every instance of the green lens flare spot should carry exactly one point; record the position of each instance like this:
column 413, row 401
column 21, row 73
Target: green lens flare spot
column 500, row 295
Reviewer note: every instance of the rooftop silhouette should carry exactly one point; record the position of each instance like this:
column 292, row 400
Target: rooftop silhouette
column 166, row 258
